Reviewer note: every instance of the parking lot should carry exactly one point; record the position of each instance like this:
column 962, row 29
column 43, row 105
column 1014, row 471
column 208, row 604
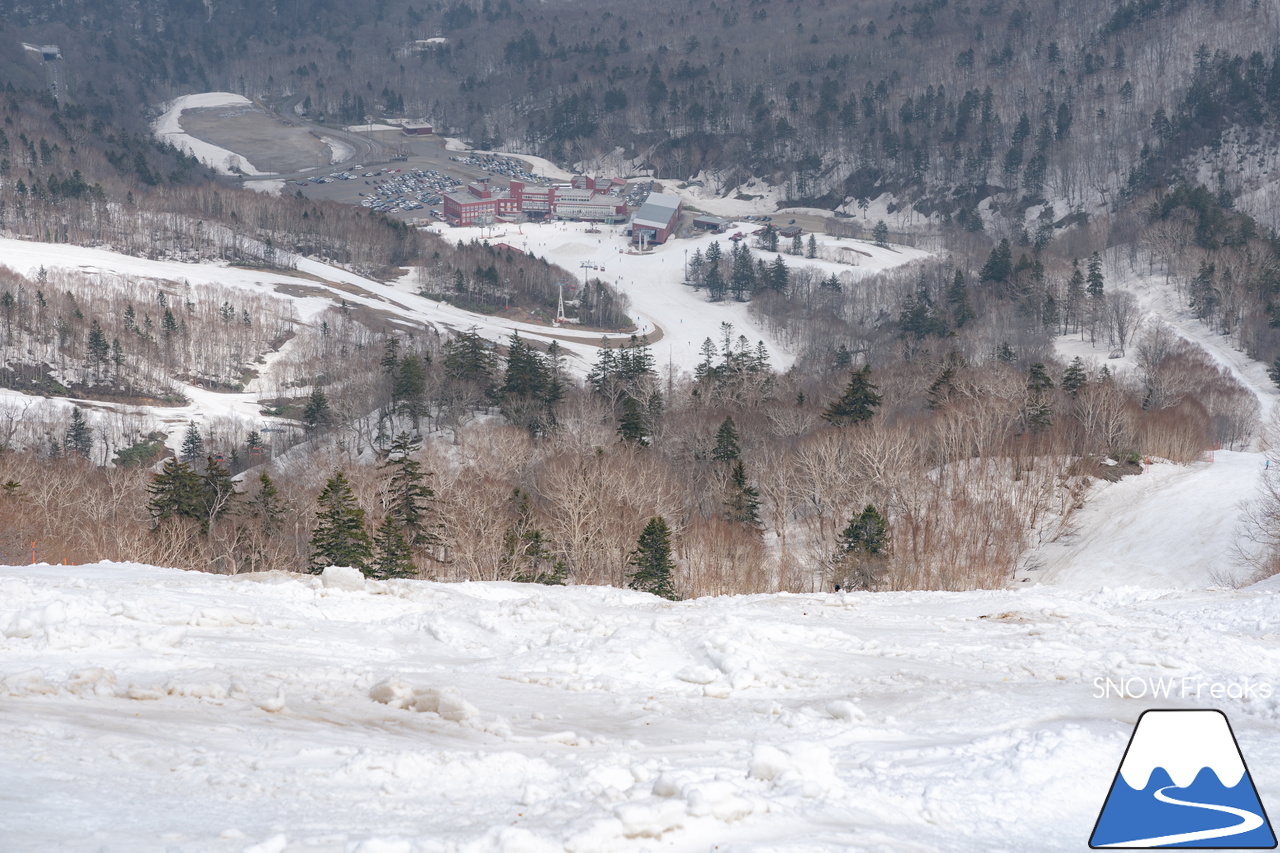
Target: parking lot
column 410, row 189
column 413, row 189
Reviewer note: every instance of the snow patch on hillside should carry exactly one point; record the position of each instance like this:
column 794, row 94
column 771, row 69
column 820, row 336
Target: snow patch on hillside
column 339, row 151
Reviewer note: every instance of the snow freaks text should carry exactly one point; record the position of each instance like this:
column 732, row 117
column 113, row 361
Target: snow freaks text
column 1136, row 687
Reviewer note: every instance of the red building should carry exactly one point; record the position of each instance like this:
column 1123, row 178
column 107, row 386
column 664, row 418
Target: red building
column 479, row 204
column 657, row 219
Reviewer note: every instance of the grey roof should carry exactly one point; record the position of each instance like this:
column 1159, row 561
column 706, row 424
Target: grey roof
column 658, row 211
column 463, row 197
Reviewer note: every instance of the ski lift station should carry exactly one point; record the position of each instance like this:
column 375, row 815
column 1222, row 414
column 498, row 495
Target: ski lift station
column 656, row 220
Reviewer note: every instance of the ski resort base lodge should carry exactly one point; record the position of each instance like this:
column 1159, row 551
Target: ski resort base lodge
column 581, row 200
column 480, row 203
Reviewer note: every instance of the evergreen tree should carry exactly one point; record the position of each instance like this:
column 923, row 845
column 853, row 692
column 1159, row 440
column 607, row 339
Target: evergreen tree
column 316, row 413
column 1096, row 282
column 469, row 359
column 797, row 246
column 696, row 270
column 1203, row 293
column 727, row 448
column 958, row 301
column 858, row 402
column 1073, row 315
column 176, row 492
column 812, row 251
column 390, row 361
column 861, row 550
column 941, row 389
column 192, row 444
column 778, row 277
column 523, row 395
column 1005, row 354
column 713, row 278
column 169, row 324
column 919, row 318
column 409, row 388
column 1038, row 412
column 999, row 264
column 651, row 561
column 253, row 443
column 631, row 425
column 265, row 506
column 707, row 367
column 1050, row 317
column 99, row 350
column 79, row 438
column 769, row 240
column 742, row 274
column 408, row 494
column 339, row 538
column 392, row 556
column 742, row 500
column 880, row 234
column 1075, row 377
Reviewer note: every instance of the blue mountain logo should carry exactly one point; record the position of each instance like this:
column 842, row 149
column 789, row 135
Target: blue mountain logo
column 1183, row 783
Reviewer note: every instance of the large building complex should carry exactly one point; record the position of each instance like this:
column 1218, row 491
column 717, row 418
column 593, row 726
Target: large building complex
column 582, row 199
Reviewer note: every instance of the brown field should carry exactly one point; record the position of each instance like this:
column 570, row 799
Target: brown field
column 258, row 136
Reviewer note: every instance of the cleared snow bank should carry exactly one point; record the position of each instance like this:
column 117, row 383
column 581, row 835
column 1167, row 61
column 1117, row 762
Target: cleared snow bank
column 169, row 129
column 153, row 709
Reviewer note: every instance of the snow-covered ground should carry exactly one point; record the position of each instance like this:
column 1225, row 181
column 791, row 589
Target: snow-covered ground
column 153, row 709
column 169, row 128
column 677, row 317
column 1171, row 526
column 147, row 709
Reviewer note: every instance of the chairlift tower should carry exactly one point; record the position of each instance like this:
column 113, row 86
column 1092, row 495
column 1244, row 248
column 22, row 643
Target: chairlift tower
column 560, row 318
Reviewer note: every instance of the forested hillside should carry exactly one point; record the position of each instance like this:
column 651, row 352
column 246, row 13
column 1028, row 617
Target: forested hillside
column 1065, row 159
column 940, row 102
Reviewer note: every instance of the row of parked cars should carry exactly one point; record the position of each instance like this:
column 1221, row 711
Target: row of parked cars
column 496, row 164
column 638, row 193
column 405, row 191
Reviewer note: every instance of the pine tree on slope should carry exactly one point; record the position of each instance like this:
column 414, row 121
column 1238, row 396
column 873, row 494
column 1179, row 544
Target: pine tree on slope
column 858, row 402
column 339, row 538
column 652, row 562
